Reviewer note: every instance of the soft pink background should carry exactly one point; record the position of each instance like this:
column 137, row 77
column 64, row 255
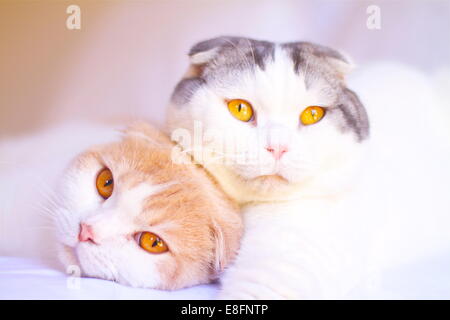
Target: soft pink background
column 128, row 55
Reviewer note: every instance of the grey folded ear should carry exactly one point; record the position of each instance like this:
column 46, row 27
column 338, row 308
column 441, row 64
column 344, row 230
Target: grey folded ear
column 207, row 50
column 237, row 51
column 257, row 52
column 300, row 51
column 200, row 55
column 340, row 61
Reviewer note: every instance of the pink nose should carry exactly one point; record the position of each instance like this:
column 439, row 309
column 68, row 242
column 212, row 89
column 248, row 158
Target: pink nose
column 278, row 151
column 86, row 234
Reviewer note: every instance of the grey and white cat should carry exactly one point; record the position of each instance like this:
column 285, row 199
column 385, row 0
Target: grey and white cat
column 326, row 208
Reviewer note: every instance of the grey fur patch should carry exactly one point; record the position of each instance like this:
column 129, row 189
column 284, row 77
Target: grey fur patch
column 313, row 61
column 233, row 53
column 301, row 52
column 236, row 50
column 354, row 114
column 184, row 90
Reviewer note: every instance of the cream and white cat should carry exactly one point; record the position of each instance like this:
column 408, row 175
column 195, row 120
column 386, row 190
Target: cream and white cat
column 325, row 207
column 127, row 213
column 123, row 211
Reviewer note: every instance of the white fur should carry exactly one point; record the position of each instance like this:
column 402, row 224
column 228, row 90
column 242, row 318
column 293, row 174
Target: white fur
column 336, row 226
column 115, row 256
column 278, row 96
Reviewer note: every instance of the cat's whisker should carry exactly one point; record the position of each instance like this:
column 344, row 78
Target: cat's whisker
column 46, row 213
column 40, row 228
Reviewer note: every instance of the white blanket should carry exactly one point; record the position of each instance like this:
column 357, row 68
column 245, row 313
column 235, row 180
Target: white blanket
column 22, row 278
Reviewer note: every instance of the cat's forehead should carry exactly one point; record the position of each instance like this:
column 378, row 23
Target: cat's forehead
column 134, row 153
column 236, row 54
column 278, row 79
column 279, row 89
column 136, row 200
column 231, row 55
column 132, row 161
column 141, row 173
column 281, row 83
column 242, row 64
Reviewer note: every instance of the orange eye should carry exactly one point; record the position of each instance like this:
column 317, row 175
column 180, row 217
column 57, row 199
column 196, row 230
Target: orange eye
column 311, row 115
column 240, row 109
column 150, row 242
column 105, row 183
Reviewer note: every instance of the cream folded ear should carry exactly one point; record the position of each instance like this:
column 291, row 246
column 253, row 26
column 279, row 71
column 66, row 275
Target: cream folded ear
column 143, row 131
column 227, row 235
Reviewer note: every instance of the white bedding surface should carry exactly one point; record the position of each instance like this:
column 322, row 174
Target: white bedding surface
column 33, row 279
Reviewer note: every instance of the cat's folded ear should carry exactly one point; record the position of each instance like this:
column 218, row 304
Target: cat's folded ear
column 302, row 52
column 227, row 235
column 230, row 51
column 341, row 62
column 144, row 131
column 207, row 50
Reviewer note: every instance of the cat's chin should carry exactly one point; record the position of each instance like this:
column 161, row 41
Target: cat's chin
column 270, row 187
column 67, row 257
column 275, row 187
column 272, row 180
